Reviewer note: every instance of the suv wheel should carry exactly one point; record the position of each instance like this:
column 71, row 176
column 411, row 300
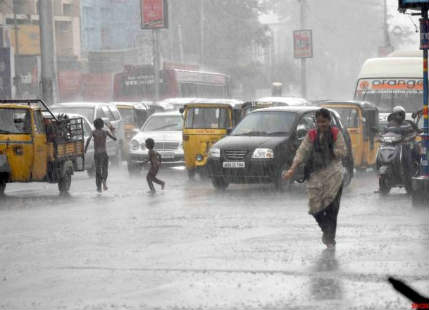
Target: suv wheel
column 220, row 183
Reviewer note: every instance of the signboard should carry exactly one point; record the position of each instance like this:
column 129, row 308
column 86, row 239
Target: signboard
column 28, row 39
column 6, row 62
column 154, row 14
column 389, row 86
column 412, row 4
column 303, row 44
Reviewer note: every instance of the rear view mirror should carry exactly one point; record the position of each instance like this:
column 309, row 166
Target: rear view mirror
column 301, row 133
column 182, row 110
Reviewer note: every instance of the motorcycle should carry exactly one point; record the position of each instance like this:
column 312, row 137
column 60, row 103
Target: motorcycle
column 397, row 161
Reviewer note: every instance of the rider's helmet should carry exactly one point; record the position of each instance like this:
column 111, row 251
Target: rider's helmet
column 399, row 113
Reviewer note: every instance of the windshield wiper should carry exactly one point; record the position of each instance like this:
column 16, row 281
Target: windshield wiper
column 252, row 133
column 165, row 126
column 276, row 133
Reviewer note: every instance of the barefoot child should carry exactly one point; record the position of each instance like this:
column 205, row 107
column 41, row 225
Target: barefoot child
column 100, row 155
column 155, row 163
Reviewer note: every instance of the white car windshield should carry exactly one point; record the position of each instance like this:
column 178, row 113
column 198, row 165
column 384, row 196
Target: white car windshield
column 163, row 123
column 265, row 124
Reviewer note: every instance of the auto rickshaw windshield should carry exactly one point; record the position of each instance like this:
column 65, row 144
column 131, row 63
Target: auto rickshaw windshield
column 207, row 118
column 15, row 121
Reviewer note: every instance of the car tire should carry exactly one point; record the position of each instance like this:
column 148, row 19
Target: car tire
column 133, row 168
column 281, row 184
column 91, row 171
column 220, row 183
column 384, row 185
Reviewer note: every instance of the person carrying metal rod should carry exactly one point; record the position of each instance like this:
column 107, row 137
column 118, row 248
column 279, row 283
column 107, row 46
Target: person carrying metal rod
column 322, row 151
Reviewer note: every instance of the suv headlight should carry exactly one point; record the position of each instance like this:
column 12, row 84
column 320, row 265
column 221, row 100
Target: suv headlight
column 263, row 153
column 214, row 152
column 134, row 145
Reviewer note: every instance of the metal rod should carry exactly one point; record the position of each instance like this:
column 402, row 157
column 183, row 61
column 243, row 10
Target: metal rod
column 425, row 136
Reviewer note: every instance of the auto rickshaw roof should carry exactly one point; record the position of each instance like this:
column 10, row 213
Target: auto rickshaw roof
column 233, row 103
column 130, row 105
column 364, row 105
column 34, row 104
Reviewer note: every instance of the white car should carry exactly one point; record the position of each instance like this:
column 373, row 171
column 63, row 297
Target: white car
column 166, row 130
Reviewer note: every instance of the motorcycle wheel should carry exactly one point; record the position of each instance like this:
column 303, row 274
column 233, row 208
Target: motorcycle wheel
column 384, row 185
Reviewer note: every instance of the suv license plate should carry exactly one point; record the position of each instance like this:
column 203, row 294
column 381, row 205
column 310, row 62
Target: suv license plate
column 167, row 155
column 234, row 164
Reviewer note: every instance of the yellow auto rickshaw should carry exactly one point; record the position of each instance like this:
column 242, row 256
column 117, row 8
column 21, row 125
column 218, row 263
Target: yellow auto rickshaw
column 133, row 115
column 205, row 122
column 361, row 120
column 38, row 148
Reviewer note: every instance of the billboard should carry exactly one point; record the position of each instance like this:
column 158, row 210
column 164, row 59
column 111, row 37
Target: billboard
column 303, row 44
column 6, row 72
column 28, row 39
column 154, row 14
column 412, row 4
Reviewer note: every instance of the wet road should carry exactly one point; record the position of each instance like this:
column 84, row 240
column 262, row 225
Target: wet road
column 192, row 247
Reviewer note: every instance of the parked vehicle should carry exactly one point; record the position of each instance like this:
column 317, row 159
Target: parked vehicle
column 133, row 115
column 267, row 102
column 205, row 122
column 264, row 144
column 397, row 161
column 166, row 129
column 390, row 81
column 106, row 111
column 38, row 149
column 360, row 118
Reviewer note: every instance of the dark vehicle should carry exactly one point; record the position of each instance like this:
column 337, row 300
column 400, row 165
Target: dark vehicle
column 264, row 144
column 397, row 158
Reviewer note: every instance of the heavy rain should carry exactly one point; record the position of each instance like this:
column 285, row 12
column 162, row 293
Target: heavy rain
column 214, row 154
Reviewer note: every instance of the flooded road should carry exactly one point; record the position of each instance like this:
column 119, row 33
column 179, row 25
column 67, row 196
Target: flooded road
column 191, row 247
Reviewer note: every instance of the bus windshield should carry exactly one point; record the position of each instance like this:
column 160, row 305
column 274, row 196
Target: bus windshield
column 388, row 93
column 203, row 118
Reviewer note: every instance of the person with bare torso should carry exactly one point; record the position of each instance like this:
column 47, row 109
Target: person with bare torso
column 155, row 163
column 100, row 154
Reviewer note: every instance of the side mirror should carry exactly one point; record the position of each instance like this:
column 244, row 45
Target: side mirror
column 182, row 110
column 228, row 131
column 301, row 133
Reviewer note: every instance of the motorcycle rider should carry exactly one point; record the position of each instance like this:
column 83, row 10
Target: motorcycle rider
column 397, row 119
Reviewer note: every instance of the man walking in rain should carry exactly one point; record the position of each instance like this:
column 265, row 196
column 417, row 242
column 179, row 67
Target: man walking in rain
column 322, row 150
column 100, row 154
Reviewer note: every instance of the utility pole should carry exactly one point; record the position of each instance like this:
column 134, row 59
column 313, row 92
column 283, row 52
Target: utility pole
column 16, row 78
column 303, row 60
column 387, row 43
column 202, row 38
column 156, row 60
column 47, row 49
column 181, row 52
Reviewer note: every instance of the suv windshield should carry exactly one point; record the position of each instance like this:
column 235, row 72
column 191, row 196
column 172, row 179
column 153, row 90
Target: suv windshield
column 87, row 112
column 202, row 118
column 15, row 121
column 163, row 123
column 265, row 124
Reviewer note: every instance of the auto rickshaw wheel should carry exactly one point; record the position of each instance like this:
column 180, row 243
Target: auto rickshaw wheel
column 65, row 182
column 2, row 187
column 191, row 173
column 220, row 183
column 384, row 185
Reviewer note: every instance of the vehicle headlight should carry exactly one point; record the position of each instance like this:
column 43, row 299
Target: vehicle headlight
column 214, row 152
column 134, row 145
column 199, row 157
column 263, row 153
column 390, row 139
